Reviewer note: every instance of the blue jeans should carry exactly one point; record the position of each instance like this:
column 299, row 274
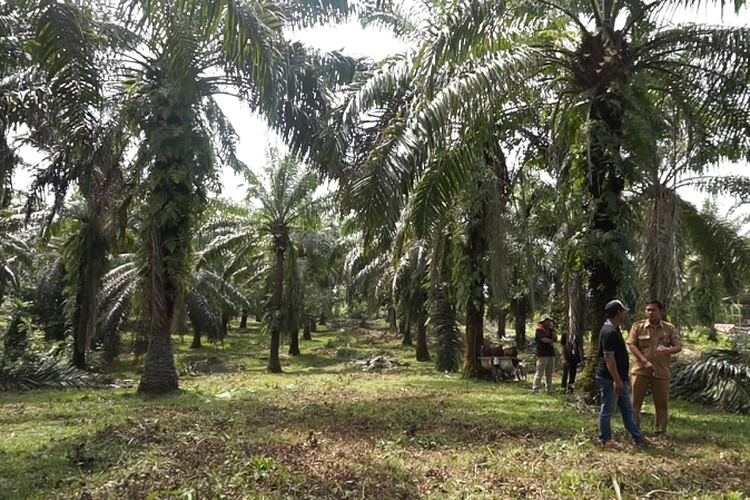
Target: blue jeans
column 610, row 402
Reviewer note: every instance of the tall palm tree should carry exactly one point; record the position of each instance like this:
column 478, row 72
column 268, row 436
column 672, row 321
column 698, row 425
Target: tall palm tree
column 607, row 61
column 195, row 49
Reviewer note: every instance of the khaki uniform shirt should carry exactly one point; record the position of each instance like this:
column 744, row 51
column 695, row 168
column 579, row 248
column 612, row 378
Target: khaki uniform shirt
column 646, row 338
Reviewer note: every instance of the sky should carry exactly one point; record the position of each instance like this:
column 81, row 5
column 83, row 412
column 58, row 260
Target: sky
column 352, row 39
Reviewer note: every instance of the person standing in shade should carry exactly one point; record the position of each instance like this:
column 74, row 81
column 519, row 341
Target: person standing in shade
column 612, row 375
column 545, row 353
column 652, row 342
column 572, row 354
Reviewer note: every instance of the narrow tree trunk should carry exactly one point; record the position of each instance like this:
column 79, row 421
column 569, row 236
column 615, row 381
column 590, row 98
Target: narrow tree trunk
column 322, row 318
column 274, row 365
column 407, row 334
column 294, row 342
column 392, row 326
column 243, row 321
column 313, row 325
column 79, row 356
column 259, row 315
column 404, row 328
column 422, row 353
column 84, row 320
column 443, row 314
column 196, row 339
column 306, row 331
column 81, row 333
column 519, row 322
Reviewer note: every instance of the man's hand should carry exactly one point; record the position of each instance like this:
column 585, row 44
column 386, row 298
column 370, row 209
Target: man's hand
column 618, row 387
column 565, row 361
column 649, row 366
column 664, row 350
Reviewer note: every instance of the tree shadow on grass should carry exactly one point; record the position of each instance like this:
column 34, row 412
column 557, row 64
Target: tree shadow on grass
column 330, row 443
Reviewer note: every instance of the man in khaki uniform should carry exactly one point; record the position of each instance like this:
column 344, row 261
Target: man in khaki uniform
column 653, row 342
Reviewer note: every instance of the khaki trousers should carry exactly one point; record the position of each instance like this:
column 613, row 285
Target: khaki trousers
column 544, row 368
column 660, row 390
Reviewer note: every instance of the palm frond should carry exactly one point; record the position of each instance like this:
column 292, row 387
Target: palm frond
column 47, row 373
column 718, row 243
column 721, row 377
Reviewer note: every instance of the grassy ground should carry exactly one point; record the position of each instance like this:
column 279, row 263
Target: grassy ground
column 326, row 429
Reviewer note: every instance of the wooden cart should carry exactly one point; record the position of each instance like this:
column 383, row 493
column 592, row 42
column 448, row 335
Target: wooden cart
column 502, row 367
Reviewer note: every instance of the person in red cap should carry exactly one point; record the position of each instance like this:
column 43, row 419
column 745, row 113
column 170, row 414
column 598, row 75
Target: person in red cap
column 545, row 353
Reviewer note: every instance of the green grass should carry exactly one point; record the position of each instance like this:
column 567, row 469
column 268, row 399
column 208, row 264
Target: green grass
column 327, row 429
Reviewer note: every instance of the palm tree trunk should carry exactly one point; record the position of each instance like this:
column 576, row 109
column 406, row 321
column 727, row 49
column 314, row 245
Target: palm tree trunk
column 605, row 185
column 306, row 330
column 243, row 321
column 313, row 325
column 84, row 322
column 322, row 318
column 294, row 342
column 474, row 336
column 392, row 326
column 159, row 373
column 405, row 329
column 274, row 365
column 84, row 319
column 519, row 307
column 407, row 334
column 422, row 353
column 475, row 304
column 196, row 339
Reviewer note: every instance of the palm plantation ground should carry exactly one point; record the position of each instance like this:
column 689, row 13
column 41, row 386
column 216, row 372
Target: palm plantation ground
column 326, row 428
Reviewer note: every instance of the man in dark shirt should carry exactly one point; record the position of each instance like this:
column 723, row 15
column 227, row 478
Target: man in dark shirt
column 545, row 353
column 612, row 375
column 572, row 354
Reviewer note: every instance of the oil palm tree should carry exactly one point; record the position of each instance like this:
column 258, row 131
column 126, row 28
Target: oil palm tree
column 284, row 208
column 602, row 67
column 195, row 49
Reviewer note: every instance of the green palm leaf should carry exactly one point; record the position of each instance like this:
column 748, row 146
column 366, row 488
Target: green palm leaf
column 721, row 377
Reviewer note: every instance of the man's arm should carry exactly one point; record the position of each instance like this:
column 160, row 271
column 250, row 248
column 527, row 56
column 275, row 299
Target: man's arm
column 542, row 337
column 674, row 340
column 609, row 359
column 638, row 354
column 609, row 344
column 632, row 345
